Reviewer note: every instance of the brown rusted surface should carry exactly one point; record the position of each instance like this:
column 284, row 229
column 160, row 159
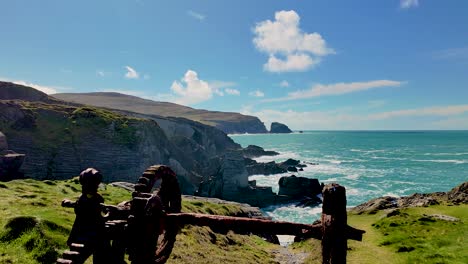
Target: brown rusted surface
column 244, row 225
column 136, row 225
column 334, row 226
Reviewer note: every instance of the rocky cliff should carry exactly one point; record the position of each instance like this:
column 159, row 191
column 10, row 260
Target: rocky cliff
column 279, row 128
column 61, row 138
column 60, row 141
column 228, row 122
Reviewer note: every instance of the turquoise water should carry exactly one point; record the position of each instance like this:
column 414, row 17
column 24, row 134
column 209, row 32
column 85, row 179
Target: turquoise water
column 368, row 164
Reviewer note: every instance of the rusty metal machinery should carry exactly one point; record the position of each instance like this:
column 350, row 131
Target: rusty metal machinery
column 146, row 227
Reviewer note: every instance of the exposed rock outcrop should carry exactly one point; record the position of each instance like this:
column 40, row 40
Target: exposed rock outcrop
column 269, row 168
column 457, row 195
column 299, row 186
column 279, row 128
column 60, row 141
column 252, row 151
column 10, row 161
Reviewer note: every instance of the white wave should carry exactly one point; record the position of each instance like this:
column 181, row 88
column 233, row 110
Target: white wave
column 353, row 176
column 283, row 155
column 368, row 151
column 292, row 213
column 446, row 154
column 387, row 158
column 443, row 161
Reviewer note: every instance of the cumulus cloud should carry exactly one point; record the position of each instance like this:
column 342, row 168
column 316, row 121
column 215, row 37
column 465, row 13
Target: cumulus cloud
column 257, row 93
column 196, row 15
column 191, row 90
column 288, row 47
column 336, row 89
column 405, row 4
column 231, row 91
column 42, row 88
column 131, row 73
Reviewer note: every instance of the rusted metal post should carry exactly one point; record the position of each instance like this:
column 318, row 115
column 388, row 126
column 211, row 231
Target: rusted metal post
column 334, row 226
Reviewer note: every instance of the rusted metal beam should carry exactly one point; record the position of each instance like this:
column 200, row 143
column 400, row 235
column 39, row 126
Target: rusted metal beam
column 244, row 225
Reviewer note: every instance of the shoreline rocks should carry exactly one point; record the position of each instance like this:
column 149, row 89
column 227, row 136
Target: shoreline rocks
column 458, row 195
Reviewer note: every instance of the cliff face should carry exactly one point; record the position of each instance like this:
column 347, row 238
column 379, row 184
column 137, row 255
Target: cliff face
column 61, row 138
column 60, row 141
column 279, row 128
column 228, row 122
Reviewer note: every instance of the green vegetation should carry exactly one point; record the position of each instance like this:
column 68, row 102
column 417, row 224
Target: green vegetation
column 404, row 236
column 34, row 227
column 67, row 124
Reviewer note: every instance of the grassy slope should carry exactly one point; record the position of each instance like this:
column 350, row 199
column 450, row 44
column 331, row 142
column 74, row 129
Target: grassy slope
column 34, row 228
column 433, row 241
column 144, row 106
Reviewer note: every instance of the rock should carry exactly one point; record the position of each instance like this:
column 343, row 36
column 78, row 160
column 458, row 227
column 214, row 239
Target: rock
column 292, row 169
column 444, row 217
column 267, row 168
column 289, row 162
column 310, row 202
column 124, row 185
column 299, row 187
column 416, row 200
column 374, row 205
column 253, row 151
column 3, row 142
column 279, row 128
column 10, row 161
column 459, row 194
column 301, row 169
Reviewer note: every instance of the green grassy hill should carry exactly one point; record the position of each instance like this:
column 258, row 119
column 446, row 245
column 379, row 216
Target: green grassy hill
column 229, row 122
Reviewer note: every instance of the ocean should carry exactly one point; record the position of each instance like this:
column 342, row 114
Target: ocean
column 369, row 164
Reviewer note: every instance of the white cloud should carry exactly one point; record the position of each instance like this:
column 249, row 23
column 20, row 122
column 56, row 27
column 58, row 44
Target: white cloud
column 131, row 73
column 196, row 15
column 292, row 62
column 231, row 91
column 336, row 89
column 100, row 73
column 449, row 110
column 452, row 117
column 257, row 93
column 288, row 47
column 42, row 88
column 284, row 83
column 195, row 90
column 405, row 4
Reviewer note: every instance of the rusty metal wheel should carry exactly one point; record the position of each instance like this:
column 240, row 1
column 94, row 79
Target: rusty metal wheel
column 167, row 200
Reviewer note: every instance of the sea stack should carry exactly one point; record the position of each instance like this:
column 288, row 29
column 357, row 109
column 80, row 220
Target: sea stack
column 279, row 128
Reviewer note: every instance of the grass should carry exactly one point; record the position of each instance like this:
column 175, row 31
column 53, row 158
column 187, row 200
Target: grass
column 411, row 237
column 34, row 227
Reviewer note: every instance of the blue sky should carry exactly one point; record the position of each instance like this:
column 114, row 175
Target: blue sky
column 310, row 64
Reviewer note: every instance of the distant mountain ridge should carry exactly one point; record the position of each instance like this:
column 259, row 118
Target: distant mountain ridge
column 228, row 122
